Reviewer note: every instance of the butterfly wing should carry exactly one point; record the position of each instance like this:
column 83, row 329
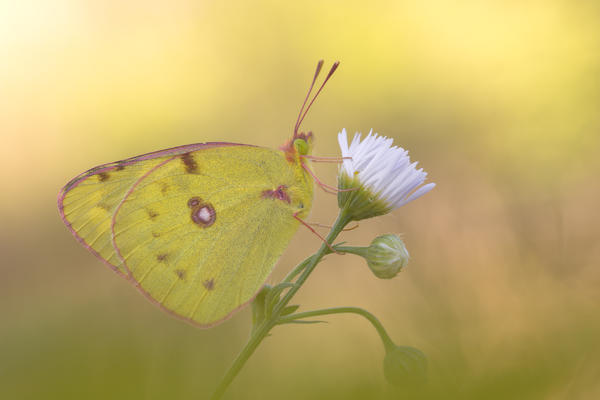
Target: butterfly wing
column 198, row 234
column 87, row 203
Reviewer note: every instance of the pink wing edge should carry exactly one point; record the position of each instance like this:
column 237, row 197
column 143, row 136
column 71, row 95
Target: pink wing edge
column 174, row 151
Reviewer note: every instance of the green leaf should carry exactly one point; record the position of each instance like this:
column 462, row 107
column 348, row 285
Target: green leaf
column 273, row 296
column 258, row 306
column 289, row 309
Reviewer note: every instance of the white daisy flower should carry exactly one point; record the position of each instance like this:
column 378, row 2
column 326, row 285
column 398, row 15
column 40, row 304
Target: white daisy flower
column 383, row 173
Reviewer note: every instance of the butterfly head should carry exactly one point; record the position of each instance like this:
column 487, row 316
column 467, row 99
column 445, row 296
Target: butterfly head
column 299, row 145
column 303, row 143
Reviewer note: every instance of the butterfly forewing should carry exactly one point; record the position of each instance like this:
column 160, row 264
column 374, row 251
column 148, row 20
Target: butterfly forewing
column 88, row 202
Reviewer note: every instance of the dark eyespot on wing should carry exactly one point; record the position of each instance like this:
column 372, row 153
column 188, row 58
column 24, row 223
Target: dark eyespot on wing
column 152, row 214
column 204, row 215
column 162, row 257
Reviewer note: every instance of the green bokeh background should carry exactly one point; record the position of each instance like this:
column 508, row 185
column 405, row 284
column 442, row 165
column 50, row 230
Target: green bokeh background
column 498, row 100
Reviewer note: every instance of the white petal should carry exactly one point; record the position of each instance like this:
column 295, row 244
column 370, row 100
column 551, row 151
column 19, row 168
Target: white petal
column 420, row 191
column 383, row 168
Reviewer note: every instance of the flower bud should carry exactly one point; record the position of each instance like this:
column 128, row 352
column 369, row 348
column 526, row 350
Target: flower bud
column 386, row 256
column 405, row 366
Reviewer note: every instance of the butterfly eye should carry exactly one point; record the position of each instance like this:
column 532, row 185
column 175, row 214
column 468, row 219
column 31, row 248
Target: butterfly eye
column 301, row 205
column 301, row 146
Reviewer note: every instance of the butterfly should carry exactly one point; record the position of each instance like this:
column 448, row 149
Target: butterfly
column 196, row 228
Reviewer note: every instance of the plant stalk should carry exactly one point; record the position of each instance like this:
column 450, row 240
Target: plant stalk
column 385, row 338
column 258, row 334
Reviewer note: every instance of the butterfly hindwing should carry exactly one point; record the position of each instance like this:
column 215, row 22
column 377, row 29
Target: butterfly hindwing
column 199, row 236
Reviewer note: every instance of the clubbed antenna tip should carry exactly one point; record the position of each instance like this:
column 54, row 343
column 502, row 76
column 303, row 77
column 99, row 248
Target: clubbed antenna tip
column 303, row 112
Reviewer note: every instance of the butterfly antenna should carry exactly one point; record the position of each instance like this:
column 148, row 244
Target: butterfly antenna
column 317, row 71
column 331, row 71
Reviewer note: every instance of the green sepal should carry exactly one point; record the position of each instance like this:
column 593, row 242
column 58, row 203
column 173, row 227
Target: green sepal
column 360, row 203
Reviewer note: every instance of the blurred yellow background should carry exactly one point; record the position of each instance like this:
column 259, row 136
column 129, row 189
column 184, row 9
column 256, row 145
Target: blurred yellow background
column 498, row 100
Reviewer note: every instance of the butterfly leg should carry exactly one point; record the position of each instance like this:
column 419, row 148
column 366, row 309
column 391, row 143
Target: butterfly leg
column 337, row 160
column 326, row 188
column 316, row 233
column 329, row 226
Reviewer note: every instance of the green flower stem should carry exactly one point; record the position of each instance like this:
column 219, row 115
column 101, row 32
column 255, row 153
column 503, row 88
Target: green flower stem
column 255, row 338
column 340, row 223
column 304, row 269
column 385, row 338
column 359, row 251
